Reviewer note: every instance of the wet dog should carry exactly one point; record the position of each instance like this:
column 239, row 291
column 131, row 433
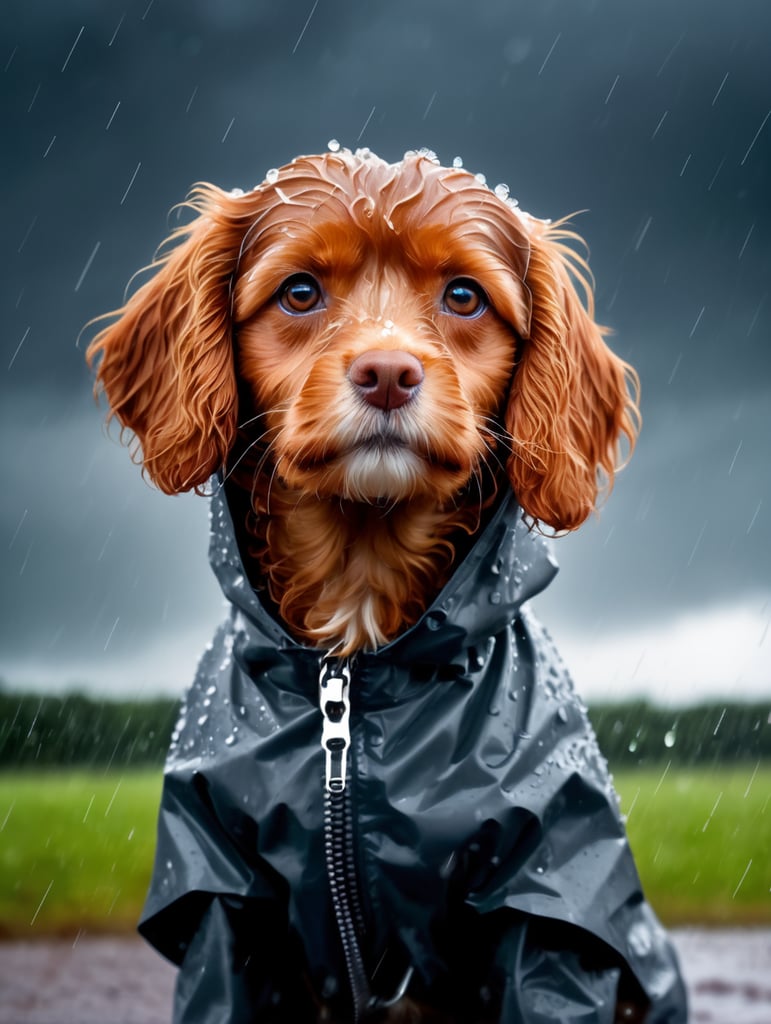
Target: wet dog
column 385, row 364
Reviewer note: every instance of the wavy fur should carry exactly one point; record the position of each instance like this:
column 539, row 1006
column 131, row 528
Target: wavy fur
column 357, row 511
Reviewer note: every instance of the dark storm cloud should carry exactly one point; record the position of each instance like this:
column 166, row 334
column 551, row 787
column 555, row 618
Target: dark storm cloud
column 653, row 117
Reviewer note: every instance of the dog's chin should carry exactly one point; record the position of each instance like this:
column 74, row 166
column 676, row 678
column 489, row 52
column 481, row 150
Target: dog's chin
column 382, row 473
column 376, row 475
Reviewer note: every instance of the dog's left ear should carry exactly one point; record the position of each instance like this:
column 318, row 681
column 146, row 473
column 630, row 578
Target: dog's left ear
column 166, row 363
column 572, row 399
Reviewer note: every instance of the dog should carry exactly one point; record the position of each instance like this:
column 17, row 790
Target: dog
column 368, row 362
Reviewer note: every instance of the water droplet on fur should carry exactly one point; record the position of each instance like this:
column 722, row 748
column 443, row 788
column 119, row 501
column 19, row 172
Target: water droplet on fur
column 495, row 597
column 502, row 191
column 272, row 176
column 562, row 714
column 333, row 146
column 203, row 719
column 457, row 161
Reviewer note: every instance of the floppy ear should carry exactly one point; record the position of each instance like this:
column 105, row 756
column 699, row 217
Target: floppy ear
column 165, row 364
column 571, row 399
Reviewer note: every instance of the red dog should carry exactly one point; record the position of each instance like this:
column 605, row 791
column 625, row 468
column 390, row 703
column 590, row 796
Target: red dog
column 386, row 364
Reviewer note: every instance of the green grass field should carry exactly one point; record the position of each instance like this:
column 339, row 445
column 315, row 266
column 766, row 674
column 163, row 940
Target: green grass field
column 76, row 848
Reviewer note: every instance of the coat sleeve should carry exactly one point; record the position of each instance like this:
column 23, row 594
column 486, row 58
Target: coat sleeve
column 233, row 973
column 211, row 984
column 567, row 976
column 546, row 985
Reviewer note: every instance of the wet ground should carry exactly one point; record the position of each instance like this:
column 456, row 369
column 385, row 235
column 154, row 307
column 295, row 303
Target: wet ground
column 121, row 981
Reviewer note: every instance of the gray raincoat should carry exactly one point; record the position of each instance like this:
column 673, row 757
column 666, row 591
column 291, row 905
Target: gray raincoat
column 474, row 855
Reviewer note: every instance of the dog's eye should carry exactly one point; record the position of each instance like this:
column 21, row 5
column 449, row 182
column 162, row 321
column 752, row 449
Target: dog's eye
column 464, row 297
column 300, row 294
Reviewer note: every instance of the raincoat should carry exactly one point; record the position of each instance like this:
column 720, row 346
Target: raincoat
column 474, row 854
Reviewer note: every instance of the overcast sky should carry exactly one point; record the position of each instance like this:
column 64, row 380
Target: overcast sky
column 653, row 117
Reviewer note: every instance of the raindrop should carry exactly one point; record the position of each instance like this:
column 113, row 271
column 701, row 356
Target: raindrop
column 333, row 146
column 643, row 233
column 755, row 139
column 670, row 738
column 87, row 267
column 610, row 93
column 18, row 348
column 272, row 176
column 712, row 812
column 562, row 714
column 548, row 55
column 741, row 880
column 211, row 690
column 305, row 27
column 203, row 719
column 640, row 939
column 72, row 50
column 117, row 29
column 502, row 191
column 50, row 885
column 481, row 178
column 457, row 162
column 658, row 126
column 227, row 130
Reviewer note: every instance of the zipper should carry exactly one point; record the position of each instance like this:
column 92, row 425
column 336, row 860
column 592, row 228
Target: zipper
column 334, row 699
column 335, row 703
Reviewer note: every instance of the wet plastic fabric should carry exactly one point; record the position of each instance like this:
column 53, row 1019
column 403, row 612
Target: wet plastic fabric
column 490, row 851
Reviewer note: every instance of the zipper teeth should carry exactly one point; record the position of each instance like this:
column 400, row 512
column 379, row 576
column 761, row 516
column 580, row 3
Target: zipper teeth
column 345, row 898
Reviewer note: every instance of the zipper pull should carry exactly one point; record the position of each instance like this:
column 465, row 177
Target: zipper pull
column 334, row 700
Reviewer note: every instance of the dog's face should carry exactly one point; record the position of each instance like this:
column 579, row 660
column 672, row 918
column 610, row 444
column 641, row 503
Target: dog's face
column 377, row 329
column 389, row 324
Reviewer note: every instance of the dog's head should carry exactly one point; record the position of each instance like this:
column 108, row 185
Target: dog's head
column 386, row 328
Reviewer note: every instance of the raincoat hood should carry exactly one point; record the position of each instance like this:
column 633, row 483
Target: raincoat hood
column 480, row 819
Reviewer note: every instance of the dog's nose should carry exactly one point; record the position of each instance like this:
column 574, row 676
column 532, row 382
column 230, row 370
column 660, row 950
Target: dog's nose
column 386, row 379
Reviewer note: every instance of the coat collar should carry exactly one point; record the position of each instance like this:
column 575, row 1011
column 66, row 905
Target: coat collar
column 507, row 565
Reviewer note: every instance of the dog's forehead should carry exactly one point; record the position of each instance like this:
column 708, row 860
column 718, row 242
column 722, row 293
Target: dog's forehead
column 369, row 185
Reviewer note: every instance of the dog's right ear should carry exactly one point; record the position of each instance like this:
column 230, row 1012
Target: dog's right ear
column 165, row 363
